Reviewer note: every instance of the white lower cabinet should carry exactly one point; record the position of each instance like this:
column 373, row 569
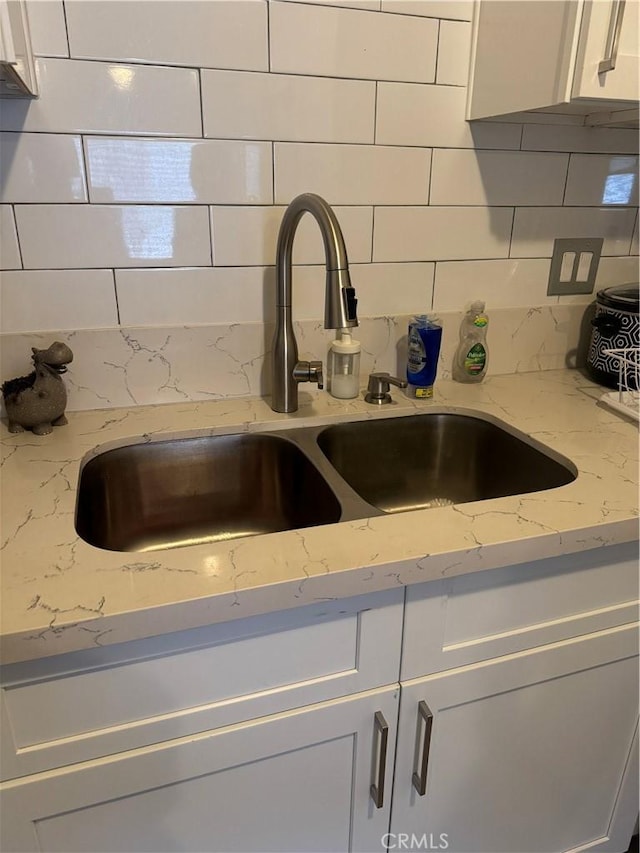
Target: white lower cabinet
column 282, row 733
column 296, row 781
column 535, row 751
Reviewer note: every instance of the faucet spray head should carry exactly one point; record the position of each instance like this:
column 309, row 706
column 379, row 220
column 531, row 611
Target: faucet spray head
column 340, row 311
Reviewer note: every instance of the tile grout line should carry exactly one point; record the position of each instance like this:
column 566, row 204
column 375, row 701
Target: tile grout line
column 66, row 28
column 14, row 219
column 566, row 181
column 142, row 135
column 513, row 223
column 115, row 291
column 435, row 66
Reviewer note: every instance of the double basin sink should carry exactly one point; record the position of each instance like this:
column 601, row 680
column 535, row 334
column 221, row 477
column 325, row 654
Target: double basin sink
column 166, row 494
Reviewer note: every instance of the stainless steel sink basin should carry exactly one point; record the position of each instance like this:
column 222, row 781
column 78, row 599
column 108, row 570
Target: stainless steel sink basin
column 399, row 464
column 193, row 490
column 148, row 496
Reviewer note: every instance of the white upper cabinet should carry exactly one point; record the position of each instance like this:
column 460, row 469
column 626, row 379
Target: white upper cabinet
column 608, row 51
column 17, row 69
column 568, row 56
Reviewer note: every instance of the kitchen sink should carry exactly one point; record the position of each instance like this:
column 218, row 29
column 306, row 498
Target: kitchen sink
column 188, row 491
column 399, row 464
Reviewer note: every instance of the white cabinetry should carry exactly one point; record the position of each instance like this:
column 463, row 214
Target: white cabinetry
column 86, row 705
column 519, row 707
column 17, row 68
column 527, row 752
column 569, row 55
column 608, row 55
column 263, row 734
column 279, row 732
column 297, row 781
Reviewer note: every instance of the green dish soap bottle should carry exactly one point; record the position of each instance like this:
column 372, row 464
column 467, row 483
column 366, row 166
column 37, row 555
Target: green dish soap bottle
column 472, row 355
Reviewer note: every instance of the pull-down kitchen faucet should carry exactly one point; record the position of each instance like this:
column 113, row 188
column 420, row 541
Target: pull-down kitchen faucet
column 339, row 302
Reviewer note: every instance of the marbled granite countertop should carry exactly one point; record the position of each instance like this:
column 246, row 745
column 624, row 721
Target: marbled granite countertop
column 60, row 594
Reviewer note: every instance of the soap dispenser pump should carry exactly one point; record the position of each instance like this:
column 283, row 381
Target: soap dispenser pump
column 344, row 366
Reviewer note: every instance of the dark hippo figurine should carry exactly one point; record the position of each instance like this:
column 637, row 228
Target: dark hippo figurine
column 37, row 401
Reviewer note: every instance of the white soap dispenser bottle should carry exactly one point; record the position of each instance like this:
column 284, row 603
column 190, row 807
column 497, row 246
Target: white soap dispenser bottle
column 344, row 366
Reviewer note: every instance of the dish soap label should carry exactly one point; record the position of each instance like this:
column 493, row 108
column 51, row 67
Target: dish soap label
column 417, row 356
column 475, row 360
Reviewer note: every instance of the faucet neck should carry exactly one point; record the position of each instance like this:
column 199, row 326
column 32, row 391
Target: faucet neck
column 339, row 303
column 340, row 309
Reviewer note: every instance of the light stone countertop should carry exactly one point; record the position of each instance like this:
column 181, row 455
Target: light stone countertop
column 59, row 594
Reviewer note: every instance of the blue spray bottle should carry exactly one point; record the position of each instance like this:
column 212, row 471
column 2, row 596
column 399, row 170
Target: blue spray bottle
column 425, row 337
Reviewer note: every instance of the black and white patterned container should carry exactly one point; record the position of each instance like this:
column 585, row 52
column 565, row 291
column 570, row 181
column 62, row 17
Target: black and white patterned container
column 616, row 325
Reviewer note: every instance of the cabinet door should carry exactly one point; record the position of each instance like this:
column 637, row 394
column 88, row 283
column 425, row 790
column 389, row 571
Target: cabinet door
column 522, row 55
column 532, row 751
column 17, row 67
column 295, row 781
column 599, row 21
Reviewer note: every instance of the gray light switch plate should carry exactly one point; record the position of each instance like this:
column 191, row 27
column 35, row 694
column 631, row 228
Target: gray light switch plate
column 572, row 277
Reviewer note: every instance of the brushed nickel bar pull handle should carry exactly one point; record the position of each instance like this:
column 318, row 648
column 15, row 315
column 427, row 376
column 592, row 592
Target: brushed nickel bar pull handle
column 420, row 780
column 377, row 787
column 613, row 37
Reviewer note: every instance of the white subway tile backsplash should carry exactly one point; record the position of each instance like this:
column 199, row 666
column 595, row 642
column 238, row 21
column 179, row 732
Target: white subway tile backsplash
column 441, row 233
column 9, row 249
column 181, row 171
column 497, row 177
column 456, row 9
column 304, row 40
column 417, row 114
column 361, row 101
column 500, row 283
column 454, row 46
column 100, row 97
column 371, row 5
column 611, row 272
column 222, row 34
column 241, row 105
column 549, row 137
column 78, row 236
column 382, row 290
column 392, row 289
column 352, row 174
column 247, row 236
column 149, row 297
column 607, row 179
column 47, row 28
column 41, row 167
column 535, row 229
column 43, row 300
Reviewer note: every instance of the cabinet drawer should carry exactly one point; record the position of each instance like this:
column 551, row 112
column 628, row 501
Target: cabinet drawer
column 88, row 704
column 472, row 618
